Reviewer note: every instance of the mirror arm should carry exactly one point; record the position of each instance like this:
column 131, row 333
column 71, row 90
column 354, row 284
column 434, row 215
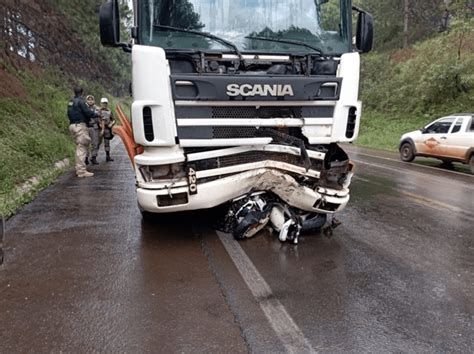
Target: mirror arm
column 358, row 9
column 127, row 48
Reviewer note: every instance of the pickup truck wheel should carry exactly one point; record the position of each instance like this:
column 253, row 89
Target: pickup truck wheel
column 471, row 163
column 406, row 152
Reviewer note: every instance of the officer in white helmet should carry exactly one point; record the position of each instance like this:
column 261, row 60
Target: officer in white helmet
column 107, row 122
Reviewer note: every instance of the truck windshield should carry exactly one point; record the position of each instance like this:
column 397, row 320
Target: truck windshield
column 253, row 26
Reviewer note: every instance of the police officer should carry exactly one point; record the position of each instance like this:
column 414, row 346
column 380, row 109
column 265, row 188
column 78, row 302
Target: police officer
column 107, row 123
column 94, row 131
column 79, row 116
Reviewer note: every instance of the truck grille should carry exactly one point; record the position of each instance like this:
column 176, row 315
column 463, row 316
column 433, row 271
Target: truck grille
column 254, row 156
column 240, row 112
column 222, row 132
column 257, row 112
column 233, row 132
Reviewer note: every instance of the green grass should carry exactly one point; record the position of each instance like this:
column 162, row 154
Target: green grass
column 380, row 131
column 34, row 134
column 13, row 198
column 405, row 90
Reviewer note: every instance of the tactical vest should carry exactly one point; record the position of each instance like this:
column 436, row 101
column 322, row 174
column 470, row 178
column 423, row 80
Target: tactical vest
column 77, row 111
column 94, row 122
column 74, row 112
column 105, row 115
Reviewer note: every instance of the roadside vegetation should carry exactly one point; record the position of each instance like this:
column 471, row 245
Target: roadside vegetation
column 34, row 131
column 36, row 83
column 403, row 89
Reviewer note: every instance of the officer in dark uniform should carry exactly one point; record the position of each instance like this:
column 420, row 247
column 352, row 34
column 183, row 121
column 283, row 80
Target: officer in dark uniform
column 79, row 115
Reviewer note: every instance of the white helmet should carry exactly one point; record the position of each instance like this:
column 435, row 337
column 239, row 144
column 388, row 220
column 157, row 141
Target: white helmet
column 104, row 100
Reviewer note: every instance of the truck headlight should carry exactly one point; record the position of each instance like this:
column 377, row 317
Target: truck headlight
column 161, row 172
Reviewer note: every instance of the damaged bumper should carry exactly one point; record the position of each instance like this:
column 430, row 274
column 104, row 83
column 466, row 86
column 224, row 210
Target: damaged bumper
column 271, row 177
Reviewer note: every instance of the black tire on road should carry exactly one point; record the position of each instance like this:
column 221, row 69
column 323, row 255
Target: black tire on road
column 162, row 218
column 151, row 217
column 471, row 163
column 406, row 152
column 314, row 223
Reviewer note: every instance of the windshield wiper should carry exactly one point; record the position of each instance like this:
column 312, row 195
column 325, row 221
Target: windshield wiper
column 211, row 36
column 287, row 41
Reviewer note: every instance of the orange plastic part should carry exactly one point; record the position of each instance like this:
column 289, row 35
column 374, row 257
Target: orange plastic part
column 125, row 132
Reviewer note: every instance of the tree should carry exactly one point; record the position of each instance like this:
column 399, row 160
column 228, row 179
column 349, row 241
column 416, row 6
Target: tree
column 177, row 13
column 291, row 33
column 388, row 17
column 460, row 9
column 330, row 14
column 400, row 23
column 406, row 22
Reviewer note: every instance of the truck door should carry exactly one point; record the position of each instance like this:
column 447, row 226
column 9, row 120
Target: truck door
column 432, row 140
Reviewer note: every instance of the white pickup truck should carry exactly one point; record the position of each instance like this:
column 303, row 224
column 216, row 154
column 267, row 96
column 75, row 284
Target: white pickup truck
column 450, row 139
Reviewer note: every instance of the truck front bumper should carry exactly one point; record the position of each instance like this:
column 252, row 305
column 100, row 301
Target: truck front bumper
column 212, row 193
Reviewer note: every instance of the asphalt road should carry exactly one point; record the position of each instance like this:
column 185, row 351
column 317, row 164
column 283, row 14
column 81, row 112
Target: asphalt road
column 84, row 273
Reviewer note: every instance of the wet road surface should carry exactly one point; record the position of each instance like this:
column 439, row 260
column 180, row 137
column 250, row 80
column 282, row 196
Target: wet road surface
column 83, row 272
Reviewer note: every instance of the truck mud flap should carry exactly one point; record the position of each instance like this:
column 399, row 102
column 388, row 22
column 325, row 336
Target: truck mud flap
column 124, row 131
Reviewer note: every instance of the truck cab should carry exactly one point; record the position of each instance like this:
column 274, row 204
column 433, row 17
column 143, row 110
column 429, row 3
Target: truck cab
column 236, row 97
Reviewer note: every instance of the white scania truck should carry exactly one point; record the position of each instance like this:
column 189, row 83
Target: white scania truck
column 242, row 98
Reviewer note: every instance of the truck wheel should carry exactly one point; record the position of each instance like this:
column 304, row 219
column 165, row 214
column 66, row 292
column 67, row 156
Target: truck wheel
column 471, row 164
column 406, row 152
column 147, row 215
column 159, row 218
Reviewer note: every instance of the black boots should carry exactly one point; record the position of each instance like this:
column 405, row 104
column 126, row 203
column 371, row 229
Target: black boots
column 94, row 161
column 108, row 158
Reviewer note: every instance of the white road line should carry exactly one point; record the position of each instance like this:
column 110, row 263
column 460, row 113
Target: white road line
column 285, row 327
column 465, row 185
column 382, row 166
column 356, row 177
column 410, row 164
column 435, row 204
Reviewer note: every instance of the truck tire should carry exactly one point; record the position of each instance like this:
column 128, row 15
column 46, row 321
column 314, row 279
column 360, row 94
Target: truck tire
column 406, row 152
column 152, row 217
column 471, row 163
column 147, row 215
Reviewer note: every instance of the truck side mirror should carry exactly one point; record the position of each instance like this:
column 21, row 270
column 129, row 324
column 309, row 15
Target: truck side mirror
column 109, row 20
column 365, row 31
column 110, row 23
